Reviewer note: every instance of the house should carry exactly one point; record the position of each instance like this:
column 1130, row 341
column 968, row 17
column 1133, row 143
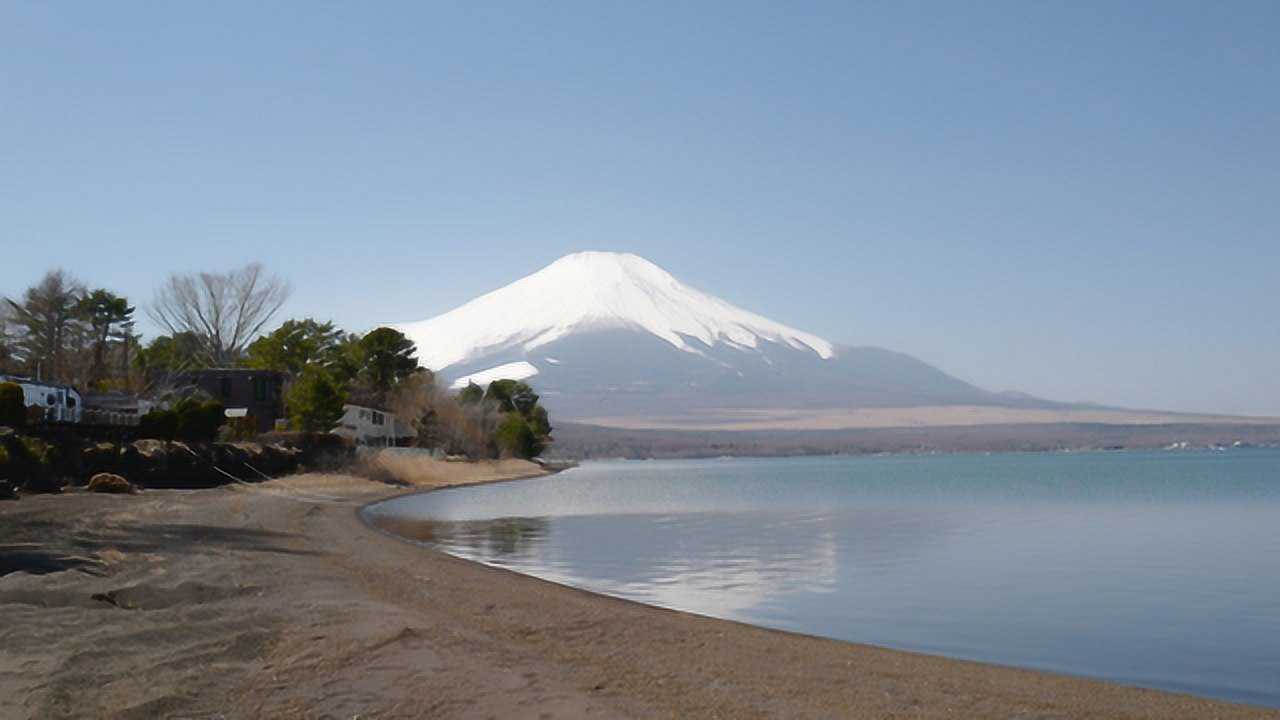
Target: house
column 59, row 403
column 258, row 394
column 114, row 408
column 372, row 427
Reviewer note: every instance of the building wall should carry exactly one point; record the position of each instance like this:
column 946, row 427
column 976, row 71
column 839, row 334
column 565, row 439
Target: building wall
column 258, row 391
column 369, row 426
column 60, row 403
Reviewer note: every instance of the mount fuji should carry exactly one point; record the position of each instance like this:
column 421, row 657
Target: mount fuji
column 611, row 335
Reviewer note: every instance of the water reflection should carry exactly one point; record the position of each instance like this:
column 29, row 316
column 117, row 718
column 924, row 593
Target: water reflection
column 1153, row 569
column 486, row 539
column 723, row 564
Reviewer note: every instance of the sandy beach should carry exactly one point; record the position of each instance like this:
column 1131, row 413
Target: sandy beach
column 275, row 601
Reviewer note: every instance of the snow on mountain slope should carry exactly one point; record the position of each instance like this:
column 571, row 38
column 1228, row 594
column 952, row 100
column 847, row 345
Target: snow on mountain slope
column 593, row 291
column 603, row 335
column 510, row 371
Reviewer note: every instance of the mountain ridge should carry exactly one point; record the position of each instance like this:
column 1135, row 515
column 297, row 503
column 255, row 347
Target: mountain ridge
column 612, row 334
column 595, row 290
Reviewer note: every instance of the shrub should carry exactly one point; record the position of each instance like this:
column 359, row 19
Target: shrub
column 158, row 425
column 515, row 438
column 38, row 453
column 13, row 407
column 199, row 421
column 190, row 420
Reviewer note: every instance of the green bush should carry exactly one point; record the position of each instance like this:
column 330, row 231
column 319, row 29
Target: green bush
column 515, row 438
column 159, row 425
column 13, row 407
column 199, row 421
column 36, row 452
column 190, row 420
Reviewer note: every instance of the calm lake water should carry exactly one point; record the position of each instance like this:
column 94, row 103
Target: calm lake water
column 1159, row 569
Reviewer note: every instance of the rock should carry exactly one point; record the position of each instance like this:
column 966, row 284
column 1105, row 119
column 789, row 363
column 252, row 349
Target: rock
column 109, row 483
column 45, row 484
column 99, row 457
column 8, row 491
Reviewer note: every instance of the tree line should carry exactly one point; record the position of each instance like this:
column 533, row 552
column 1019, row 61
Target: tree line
column 64, row 331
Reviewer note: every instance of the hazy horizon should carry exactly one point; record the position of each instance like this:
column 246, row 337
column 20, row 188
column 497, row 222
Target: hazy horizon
column 1078, row 202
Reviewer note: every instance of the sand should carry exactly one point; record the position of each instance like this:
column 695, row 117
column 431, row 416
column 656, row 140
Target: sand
column 275, row 601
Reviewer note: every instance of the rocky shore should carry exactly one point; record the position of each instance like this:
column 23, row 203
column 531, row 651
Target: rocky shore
column 49, row 463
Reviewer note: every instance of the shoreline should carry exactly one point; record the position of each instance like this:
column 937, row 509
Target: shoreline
column 598, row 442
column 426, row 546
column 304, row 609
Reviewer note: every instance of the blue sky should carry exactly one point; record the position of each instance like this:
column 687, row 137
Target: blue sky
column 1078, row 200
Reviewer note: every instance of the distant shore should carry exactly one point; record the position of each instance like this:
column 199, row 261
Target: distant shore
column 275, row 601
column 594, row 441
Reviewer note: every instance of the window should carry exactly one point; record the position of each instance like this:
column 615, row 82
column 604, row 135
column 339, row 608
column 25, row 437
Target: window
column 260, row 389
column 377, row 418
column 226, row 387
column 71, row 402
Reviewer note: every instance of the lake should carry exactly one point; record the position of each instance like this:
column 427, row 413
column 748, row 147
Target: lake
column 1159, row 569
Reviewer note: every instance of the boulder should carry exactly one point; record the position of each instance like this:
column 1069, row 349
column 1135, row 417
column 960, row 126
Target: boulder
column 109, row 483
column 99, row 457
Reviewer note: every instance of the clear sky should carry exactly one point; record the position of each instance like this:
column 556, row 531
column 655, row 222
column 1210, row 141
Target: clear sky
column 1078, row 200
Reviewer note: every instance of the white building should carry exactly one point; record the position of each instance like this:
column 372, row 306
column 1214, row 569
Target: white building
column 60, row 403
column 371, row 427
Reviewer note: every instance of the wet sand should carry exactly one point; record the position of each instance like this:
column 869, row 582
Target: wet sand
column 276, row 601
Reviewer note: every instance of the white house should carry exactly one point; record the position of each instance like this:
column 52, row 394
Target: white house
column 60, row 403
column 371, row 427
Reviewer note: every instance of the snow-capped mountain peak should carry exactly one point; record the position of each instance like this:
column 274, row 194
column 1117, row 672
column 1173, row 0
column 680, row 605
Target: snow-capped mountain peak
column 591, row 291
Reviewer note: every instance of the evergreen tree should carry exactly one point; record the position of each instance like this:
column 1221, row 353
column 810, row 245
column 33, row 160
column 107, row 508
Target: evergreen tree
column 470, row 395
column 295, row 345
column 512, row 396
column 515, row 438
column 49, row 321
column 315, row 400
column 107, row 315
column 386, row 357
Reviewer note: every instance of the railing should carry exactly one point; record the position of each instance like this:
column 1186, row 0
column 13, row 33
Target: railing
column 113, row 418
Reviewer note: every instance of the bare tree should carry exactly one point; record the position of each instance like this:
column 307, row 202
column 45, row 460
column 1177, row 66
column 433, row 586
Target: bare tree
column 9, row 339
column 48, row 319
column 224, row 311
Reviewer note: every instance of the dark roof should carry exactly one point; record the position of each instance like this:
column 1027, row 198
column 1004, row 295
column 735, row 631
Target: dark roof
column 33, row 381
column 111, row 400
column 231, row 371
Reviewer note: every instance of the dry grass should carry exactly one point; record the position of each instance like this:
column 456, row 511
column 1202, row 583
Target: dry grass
column 409, row 471
column 425, row 472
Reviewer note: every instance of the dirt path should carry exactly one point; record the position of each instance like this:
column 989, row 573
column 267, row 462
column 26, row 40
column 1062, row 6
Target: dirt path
column 274, row 601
